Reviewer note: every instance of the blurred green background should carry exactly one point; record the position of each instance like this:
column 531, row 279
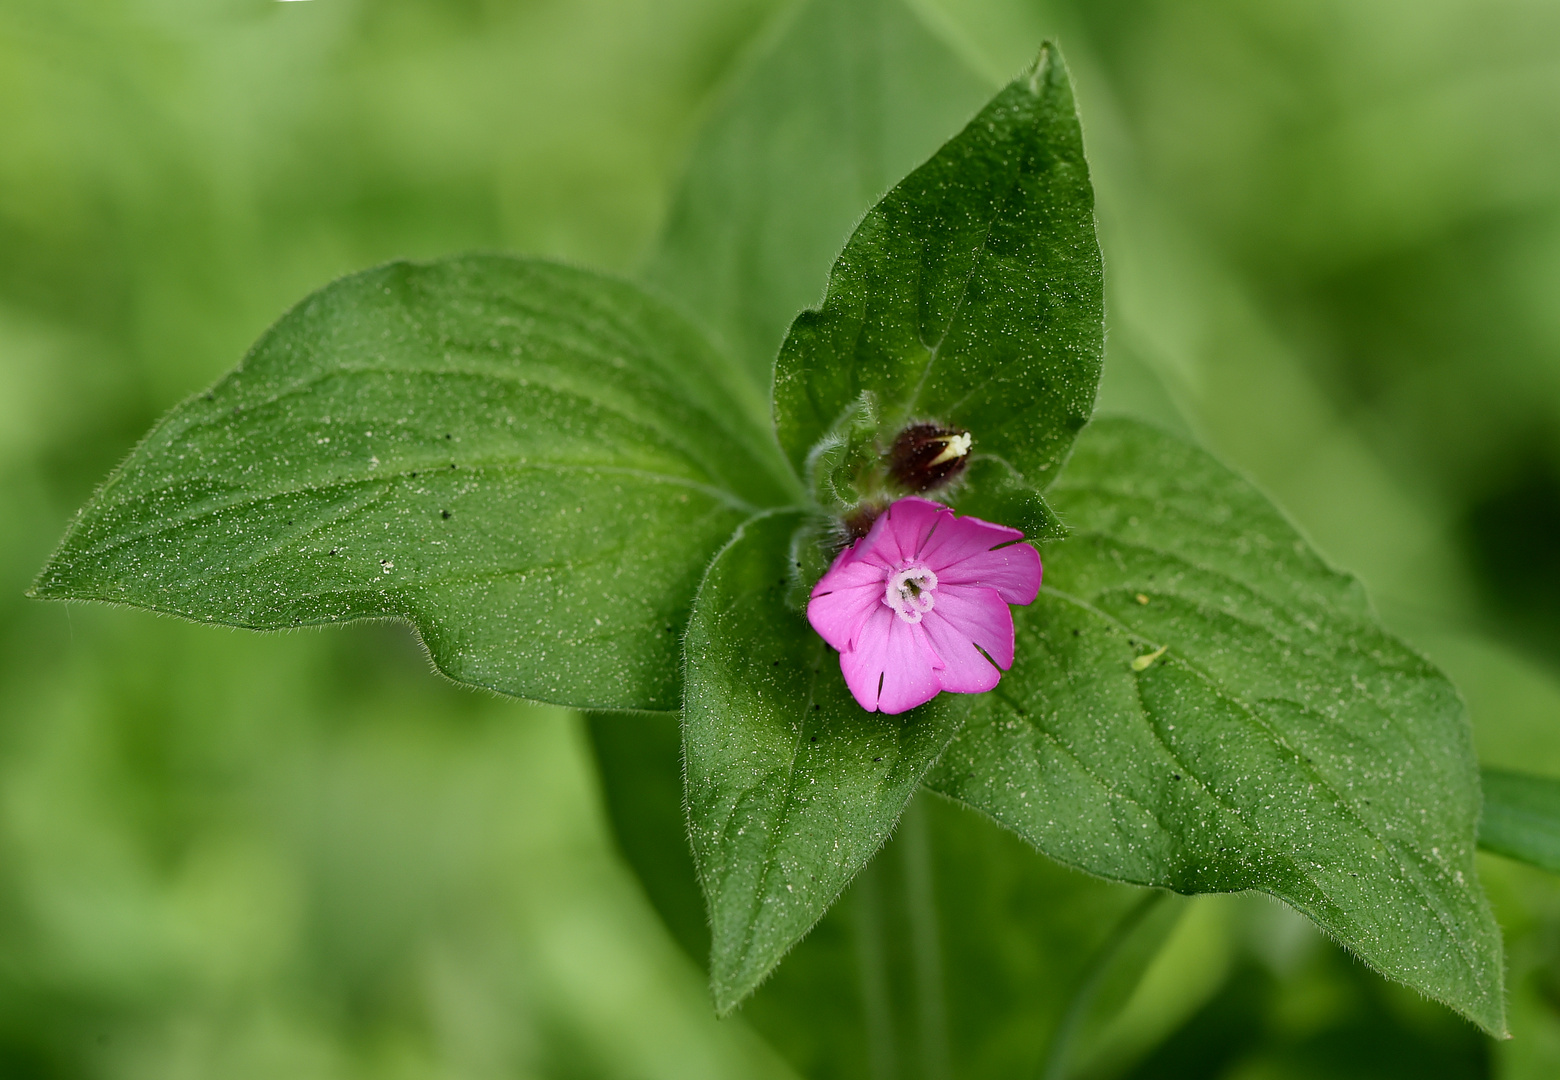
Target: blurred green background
column 1332, row 234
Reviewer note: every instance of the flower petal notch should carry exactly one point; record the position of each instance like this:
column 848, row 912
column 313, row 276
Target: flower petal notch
column 920, row 605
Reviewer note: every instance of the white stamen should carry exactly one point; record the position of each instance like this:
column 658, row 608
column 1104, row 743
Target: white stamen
column 910, row 591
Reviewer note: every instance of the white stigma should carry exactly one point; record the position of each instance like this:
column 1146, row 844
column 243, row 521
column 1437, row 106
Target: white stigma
column 910, row 592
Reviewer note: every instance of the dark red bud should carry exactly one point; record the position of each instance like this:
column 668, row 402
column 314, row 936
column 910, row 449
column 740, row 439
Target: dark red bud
column 859, row 521
column 927, row 456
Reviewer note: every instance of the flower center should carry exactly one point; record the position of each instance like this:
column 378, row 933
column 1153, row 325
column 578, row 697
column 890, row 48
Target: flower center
column 911, row 592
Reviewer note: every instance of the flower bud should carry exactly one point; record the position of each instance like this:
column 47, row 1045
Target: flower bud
column 928, row 456
column 858, row 522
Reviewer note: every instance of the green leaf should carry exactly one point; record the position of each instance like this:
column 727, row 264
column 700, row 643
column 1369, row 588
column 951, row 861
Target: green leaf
column 993, row 491
column 791, row 785
column 533, row 464
column 956, row 949
column 958, row 952
column 971, row 295
column 849, row 97
column 1199, row 702
column 1521, row 817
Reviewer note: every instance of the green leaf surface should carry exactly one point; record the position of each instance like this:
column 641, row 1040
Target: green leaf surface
column 847, row 97
column 970, row 295
column 533, row 464
column 957, row 952
column 1199, row 702
column 1521, row 817
column 791, row 785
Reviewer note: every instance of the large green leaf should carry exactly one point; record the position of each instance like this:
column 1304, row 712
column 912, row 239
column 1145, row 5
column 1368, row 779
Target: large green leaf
column 534, row 464
column 1199, row 702
column 971, row 295
column 849, row 97
column 956, row 952
column 791, row 785
column 1521, row 817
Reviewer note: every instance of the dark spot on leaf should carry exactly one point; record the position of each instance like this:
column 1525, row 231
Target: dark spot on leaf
column 448, row 436
column 816, row 706
column 880, row 759
column 445, row 514
column 1175, row 776
column 776, row 663
column 813, row 739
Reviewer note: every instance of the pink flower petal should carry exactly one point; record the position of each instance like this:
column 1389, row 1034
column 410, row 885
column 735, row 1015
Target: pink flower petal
column 1014, row 571
column 912, row 519
column 965, row 669
column 960, row 538
column 899, row 531
column 890, row 670
column 839, row 614
column 845, row 596
column 872, row 549
column 961, row 640
column 976, row 615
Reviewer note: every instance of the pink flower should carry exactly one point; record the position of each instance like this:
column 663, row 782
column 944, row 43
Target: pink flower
column 920, row 605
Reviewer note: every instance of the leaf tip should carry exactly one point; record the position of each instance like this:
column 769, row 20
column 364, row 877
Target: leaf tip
column 729, row 989
column 49, row 585
column 1492, row 1019
column 725, row 1004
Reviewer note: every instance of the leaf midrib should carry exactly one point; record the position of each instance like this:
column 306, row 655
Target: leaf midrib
column 776, row 836
column 401, row 589
column 1326, row 618
column 166, row 525
column 1411, row 876
column 648, row 420
column 1144, row 713
column 913, row 402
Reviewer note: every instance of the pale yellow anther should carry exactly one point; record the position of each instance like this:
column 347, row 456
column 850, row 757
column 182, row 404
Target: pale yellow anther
column 954, row 446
